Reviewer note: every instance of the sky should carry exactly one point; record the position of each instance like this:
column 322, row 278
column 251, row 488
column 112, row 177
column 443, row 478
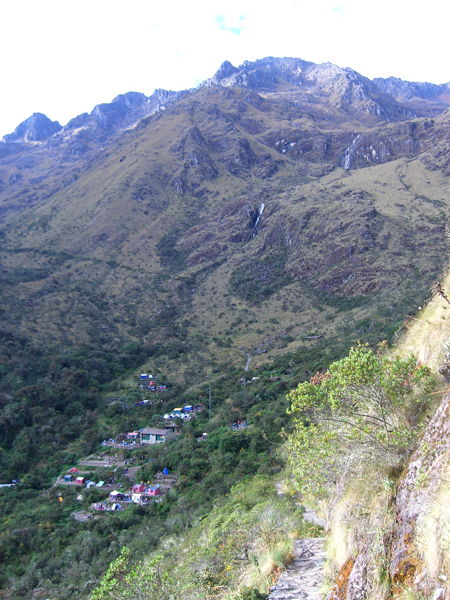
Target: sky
column 62, row 58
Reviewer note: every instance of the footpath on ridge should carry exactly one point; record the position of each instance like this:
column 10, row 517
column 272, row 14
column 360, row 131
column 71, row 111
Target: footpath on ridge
column 303, row 578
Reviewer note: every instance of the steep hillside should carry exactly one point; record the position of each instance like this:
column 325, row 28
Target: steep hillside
column 398, row 544
column 229, row 208
column 267, row 219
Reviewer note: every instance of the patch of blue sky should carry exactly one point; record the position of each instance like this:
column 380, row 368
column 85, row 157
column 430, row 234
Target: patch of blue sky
column 221, row 22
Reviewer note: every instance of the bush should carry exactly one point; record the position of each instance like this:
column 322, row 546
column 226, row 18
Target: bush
column 367, row 406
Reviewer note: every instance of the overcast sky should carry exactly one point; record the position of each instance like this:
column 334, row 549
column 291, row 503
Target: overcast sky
column 62, row 58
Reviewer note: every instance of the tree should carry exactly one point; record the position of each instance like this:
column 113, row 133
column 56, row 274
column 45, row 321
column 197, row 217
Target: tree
column 124, row 581
column 367, row 406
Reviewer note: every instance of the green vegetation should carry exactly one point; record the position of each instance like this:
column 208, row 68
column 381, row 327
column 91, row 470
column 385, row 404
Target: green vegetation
column 236, row 551
column 257, row 280
column 365, row 408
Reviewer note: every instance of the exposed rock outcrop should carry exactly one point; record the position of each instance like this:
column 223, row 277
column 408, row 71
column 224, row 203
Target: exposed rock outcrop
column 416, row 540
column 37, row 128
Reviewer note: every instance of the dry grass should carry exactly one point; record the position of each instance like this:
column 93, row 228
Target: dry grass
column 429, row 331
column 359, row 519
column 432, row 534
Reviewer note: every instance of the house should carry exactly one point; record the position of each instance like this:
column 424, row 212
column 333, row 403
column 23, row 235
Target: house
column 156, row 436
column 172, row 428
column 138, row 488
column 80, row 480
column 154, row 490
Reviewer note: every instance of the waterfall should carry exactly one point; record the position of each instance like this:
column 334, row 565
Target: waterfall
column 260, row 212
column 349, row 151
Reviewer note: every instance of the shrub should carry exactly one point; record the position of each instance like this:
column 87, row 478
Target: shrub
column 367, row 406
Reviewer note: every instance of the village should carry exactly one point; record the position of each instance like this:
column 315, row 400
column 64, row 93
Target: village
column 113, row 473
column 115, row 478
column 114, row 495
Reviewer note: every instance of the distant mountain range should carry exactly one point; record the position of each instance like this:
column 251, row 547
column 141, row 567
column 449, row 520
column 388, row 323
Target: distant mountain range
column 278, row 199
column 390, row 98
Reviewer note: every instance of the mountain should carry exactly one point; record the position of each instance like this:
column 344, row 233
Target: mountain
column 247, row 200
column 37, row 128
column 279, row 213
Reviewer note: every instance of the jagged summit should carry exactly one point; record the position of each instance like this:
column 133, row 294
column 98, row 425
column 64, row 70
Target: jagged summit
column 387, row 100
column 408, row 90
column 37, row 128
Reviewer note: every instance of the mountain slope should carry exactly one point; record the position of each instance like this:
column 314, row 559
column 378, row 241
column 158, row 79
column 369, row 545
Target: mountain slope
column 164, row 215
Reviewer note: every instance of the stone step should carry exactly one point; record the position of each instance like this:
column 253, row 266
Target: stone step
column 303, row 578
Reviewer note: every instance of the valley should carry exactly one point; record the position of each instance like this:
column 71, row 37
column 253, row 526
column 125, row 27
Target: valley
column 235, row 238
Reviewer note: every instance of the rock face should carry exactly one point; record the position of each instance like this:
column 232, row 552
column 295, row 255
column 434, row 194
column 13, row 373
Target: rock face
column 406, row 546
column 382, row 99
column 419, row 486
column 302, row 579
column 37, row 128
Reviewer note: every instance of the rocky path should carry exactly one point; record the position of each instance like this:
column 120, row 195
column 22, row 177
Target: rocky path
column 302, row 579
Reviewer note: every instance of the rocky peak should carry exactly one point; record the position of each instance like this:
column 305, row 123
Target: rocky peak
column 263, row 74
column 408, row 90
column 131, row 100
column 225, row 70
column 37, row 128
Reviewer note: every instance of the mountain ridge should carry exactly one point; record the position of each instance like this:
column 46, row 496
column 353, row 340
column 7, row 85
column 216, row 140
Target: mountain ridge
column 262, row 75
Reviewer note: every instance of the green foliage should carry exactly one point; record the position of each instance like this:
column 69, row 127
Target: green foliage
column 367, row 406
column 252, row 594
column 124, row 581
column 258, row 280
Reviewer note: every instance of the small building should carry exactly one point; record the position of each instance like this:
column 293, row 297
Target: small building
column 154, row 490
column 68, row 477
column 172, row 428
column 155, row 436
column 138, row 488
column 133, row 435
column 80, row 480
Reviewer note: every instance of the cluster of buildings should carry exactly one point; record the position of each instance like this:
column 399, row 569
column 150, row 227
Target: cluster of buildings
column 139, row 493
column 149, row 382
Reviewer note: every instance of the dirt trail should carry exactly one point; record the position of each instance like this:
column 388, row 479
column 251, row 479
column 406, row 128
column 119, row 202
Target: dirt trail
column 303, row 578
